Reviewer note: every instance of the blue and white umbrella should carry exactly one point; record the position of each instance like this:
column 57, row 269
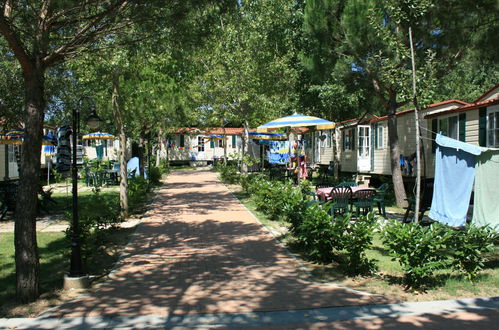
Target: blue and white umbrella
column 98, row 136
column 267, row 136
column 296, row 120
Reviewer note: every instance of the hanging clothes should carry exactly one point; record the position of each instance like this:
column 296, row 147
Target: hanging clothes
column 454, row 174
column 99, row 150
column 485, row 205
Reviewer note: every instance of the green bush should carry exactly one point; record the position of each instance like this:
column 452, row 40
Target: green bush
column 229, row 173
column 316, row 234
column 356, row 239
column 102, row 214
column 154, row 175
column 419, row 250
column 468, row 248
column 164, row 166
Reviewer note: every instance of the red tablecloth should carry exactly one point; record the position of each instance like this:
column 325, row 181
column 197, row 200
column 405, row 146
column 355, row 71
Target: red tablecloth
column 322, row 193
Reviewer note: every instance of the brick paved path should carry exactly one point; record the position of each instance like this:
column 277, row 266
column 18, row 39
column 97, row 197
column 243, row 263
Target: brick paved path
column 200, row 251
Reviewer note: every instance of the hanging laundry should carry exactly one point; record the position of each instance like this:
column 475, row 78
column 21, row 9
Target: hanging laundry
column 485, row 205
column 278, row 152
column 454, row 174
column 99, row 150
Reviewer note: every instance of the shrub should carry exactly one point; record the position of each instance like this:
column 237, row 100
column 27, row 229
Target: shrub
column 419, row 250
column 316, row 234
column 154, row 175
column 357, row 238
column 102, row 214
column 468, row 247
column 229, row 173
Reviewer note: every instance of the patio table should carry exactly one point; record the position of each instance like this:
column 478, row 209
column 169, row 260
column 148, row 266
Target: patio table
column 323, row 193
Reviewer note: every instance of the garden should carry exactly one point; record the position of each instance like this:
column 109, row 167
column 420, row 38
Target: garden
column 408, row 261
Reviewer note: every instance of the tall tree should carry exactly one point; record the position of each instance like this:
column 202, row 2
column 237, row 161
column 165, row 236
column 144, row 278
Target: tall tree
column 42, row 34
column 249, row 71
column 374, row 41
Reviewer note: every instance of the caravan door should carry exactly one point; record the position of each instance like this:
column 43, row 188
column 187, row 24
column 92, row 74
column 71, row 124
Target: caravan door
column 364, row 149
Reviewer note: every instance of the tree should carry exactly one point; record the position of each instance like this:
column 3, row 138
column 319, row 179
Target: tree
column 374, row 41
column 250, row 71
column 41, row 35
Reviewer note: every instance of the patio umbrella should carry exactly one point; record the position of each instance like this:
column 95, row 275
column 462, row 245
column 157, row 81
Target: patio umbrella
column 17, row 138
column 98, row 136
column 267, row 136
column 296, row 120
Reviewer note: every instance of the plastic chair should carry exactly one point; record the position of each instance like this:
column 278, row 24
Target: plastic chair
column 340, row 198
column 363, row 200
column 379, row 198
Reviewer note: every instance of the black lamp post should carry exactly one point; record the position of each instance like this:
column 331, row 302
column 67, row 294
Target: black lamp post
column 93, row 121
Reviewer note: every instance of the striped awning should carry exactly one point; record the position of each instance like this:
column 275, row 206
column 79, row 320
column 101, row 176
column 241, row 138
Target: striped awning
column 296, row 120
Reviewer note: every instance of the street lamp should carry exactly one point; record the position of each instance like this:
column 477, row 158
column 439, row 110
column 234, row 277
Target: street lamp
column 93, row 122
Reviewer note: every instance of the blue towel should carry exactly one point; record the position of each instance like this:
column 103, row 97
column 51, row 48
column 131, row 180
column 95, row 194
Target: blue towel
column 454, row 174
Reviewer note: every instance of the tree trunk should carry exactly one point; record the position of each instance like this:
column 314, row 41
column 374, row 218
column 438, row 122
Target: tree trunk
column 26, row 255
column 393, row 139
column 142, row 142
column 122, row 152
column 244, row 166
column 158, row 150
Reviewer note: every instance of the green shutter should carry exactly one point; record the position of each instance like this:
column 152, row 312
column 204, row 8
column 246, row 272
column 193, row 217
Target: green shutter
column 482, row 127
column 233, row 141
column 375, row 127
column 212, row 143
column 434, row 128
column 462, row 127
column 182, row 142
column 343, row 139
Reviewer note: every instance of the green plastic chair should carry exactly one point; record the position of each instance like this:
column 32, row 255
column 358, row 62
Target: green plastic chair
column 340, row 198
column 363, row 201
column 379, row 198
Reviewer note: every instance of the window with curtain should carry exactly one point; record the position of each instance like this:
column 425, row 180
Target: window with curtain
column 493, row 129
column 449, row 127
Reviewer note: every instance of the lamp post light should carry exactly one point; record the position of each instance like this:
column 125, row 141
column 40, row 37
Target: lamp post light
column 93, row 121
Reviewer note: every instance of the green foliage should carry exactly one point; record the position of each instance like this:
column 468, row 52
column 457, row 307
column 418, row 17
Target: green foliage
column 154, row 175
column 229, row 173
column 138, row 187
column 317, row 234
column 419, row 250
column 164, row 166
column 468, row 247
column 357, row 238
column 276, row 199
column 97, row 215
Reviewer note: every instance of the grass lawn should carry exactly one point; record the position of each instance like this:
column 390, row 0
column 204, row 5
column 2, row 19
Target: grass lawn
column 54, row 263
column 388, row 280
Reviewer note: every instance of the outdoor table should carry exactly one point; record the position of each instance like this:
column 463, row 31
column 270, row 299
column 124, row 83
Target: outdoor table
column 323, row 193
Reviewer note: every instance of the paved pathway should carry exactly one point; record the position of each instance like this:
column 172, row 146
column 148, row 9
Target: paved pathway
column 200, row 259
column 198, row 250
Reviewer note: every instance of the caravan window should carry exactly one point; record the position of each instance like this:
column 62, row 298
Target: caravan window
column 449, row 127
column 200, row 144
column 493, row 129
column 380, row 137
